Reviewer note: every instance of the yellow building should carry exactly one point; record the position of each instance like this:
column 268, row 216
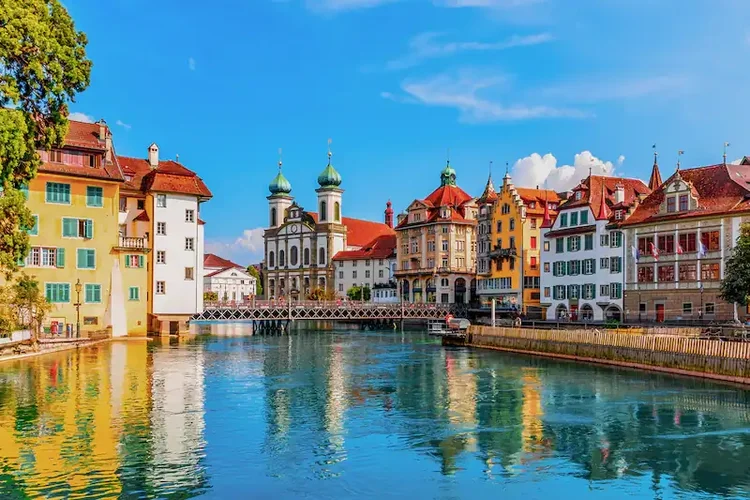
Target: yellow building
column 74, row 199
column 510, row 274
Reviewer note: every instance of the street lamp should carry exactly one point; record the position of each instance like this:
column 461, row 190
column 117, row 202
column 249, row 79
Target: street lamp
column 78, row 308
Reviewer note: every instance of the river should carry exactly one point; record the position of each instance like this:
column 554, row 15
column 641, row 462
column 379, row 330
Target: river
column 350, row 414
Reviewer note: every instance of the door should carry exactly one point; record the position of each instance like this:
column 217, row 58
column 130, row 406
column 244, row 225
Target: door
column 659, row 313
column 174, row 327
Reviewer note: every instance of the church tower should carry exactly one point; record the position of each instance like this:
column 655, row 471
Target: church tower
column 279, row 200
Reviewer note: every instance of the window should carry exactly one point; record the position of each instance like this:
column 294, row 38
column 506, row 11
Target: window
column 34, row 231
column 645, row 244
column 141, row 204
column 604, row 240
column 431, row 246
column 189, row 274
column 445, row 245
column 666, row 273
column 354, row 275
column 615, row 239
column 336, row 211
column 615, row 265
column 444, row 262
column 460, row 245
column 584, row 217
column 533, row 223
column 618, row 214
column 512, row 224
column 512, row 242
column 56, row 156
column 499, row 226
column 444, row 229
column 273, row 217
column 559, row 268
column 282, row 258
column 688, row 272
column 683, row 202
column 604, row 263
column 506, row 209
column 134, row 293
column 92, row 293
column 57, row 193
column 604, row 290
column 306, row 257
column 134, row 261
column 532, row 242
column 588, row 242
column 574, row 218
column 86, row 258
column 589, row 291
column 574, row 243
column 123, row 204
column 688, row 242
column 710, row 271
column 546, row 267
column 341, row 287
column 161, row 288
column 189, row 215
column 341, row 275
column 711, row 241
column 559, row 245
column 57, row 292
column 323, row 210
column 161, row 228
column 94, row 196
column 687, row 308
column 161, row 201
column 367, row 263
column 380, row 273
column 589, row 266
column 161, row 257
column 293, row 256
column 367, row 273
column 546, row 292
column 666, row 243
column 578, row 196
column 710, row 308
column 45, row 257
column 77, row 228
column 645, row 274
column 533, row 262
column 574, row 267
column 615, row 290
column 531, row 282
column 671, row 205
column 190, row 244
column 558, row 292
column 564, row 220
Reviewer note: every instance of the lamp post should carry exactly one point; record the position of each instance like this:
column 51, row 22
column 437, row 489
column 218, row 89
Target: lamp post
column 78, row 308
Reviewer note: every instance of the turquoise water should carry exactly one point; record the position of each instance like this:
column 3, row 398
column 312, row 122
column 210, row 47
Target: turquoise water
column 353, row 414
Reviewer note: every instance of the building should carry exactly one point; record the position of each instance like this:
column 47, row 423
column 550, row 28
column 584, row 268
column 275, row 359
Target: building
column 299, row 244
column 74, row 199
column 370, row 267
column 510, row 268
column 678, row 242
column 229, row 281
column 436, row 246
column 583, row 250
column 160, row 215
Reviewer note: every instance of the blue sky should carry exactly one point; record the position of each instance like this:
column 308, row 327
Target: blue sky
column 550, row 86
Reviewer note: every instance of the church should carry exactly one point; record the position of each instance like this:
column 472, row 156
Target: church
column 299, row 245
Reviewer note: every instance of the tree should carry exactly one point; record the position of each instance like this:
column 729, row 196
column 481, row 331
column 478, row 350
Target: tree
column 355, row 293
column 735, row 287
column 321, row 294
column 43, row 65
column 210, row 296
column 253, row 271
column 31, row 304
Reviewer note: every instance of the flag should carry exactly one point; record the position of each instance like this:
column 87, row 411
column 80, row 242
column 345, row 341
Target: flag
column 680, row 251
column 654, row 251
column 635, row 252
column 701, row 249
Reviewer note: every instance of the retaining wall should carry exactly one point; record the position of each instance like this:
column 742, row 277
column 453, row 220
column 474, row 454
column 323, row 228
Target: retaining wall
column 705, row 358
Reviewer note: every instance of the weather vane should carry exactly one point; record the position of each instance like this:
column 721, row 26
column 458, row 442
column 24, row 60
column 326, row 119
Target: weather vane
column 679, row 154
column 329, row 150
column 726, row 145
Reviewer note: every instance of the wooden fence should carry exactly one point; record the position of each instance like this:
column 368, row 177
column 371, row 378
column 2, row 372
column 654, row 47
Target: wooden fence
column 708, row 358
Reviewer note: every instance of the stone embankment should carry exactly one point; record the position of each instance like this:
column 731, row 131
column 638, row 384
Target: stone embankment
column 715, row 359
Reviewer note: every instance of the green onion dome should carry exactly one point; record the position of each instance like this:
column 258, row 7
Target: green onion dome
column 329, row 177
column 279, row 184
column 448, row 175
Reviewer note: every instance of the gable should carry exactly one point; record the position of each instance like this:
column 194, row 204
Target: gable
column 231, row 273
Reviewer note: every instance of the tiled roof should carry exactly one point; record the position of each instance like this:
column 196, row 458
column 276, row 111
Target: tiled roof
column 143, row 217
column 571, row 230
column 218, row 271
column 539, row 197
column 720, row 189
column 594, row 186
column 360, row 232
column 489, row 195
column 214, row 261
column 382, row 247
column 444, row 196
column 84, row 135
column 168, row 177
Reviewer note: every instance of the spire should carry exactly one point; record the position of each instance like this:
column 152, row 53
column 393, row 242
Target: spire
column 329, row 177
column 279, row 185
column 655, row 181
column 448, row 175
column 603, row 208
column 507, row 171
column 546, row 221
column 489, row 195
column 726, row 145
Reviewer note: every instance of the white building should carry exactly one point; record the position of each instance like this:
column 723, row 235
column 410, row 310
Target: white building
column 583, row 250
column 175, row 267
column 230, row 281
column 371, row 266
column 299, row 244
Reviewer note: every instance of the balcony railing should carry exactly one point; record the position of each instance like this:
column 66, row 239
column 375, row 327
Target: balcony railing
column 134, row 243
column 503, row 252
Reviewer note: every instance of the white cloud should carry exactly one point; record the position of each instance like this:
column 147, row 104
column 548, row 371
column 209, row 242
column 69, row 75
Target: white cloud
column 737, row 161
column 191, row 64
column 81, row 117
column 246, row 249
column 123, row 125
column 536, row 170
column 429, row 46
column 595, row 89
column 462, row 92
column 620, row 160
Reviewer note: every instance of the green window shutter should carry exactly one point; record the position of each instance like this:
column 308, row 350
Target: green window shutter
column 48, row 192
column 140, row 261
column 80, row 258
column 48, row 292
column 584, row 217
column 65, row 193
column 34, row 231
column 89, row 229
column 127, row 260
column 70, row 227
column 65, row 292
column 60, row 258
column 91, row 259
column 94, row 196
column 21, row 262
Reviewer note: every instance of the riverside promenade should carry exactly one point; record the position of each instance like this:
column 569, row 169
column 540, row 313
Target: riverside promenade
column 715, row 359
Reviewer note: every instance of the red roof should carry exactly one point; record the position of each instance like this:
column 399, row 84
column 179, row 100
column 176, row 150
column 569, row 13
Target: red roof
column 83, row 136
column 143, row 217
column 489, row 195
column 168, row 177
column 540, row 197
column 214, row 261
column 360, row 232
column 214, row 273
column 445, row 196
column 382, row 247
column 594, row 187
column 720, row 189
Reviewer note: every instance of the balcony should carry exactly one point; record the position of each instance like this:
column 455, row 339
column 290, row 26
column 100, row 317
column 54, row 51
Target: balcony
column 133, row 243
column 503, row 253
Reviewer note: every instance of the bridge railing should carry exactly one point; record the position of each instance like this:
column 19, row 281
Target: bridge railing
column 340, row 304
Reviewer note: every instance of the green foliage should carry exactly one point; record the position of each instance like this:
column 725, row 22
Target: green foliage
column 23, row 305
column 735, row 287
column 43, row 65
column 321, row 294
column 252, row 271
column 355, row 293
column 210, row 296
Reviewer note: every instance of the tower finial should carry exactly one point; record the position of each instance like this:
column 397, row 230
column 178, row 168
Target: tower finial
column 656, row 154
column 726, row 145
column 679, row 154
column 448, row 157
column 506, row 168
column 329, row 150
column 280, row 162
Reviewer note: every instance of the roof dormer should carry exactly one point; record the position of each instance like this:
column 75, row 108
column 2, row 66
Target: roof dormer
column 679, row 196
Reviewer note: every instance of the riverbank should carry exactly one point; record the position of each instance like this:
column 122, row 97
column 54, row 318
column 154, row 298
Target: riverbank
column 713, row 359
column 47, row 346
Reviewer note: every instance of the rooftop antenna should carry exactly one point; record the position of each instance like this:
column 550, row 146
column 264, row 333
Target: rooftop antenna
column 679, row 154
column 726, row 145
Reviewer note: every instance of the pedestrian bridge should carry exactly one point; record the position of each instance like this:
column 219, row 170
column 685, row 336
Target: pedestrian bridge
column 279, row 310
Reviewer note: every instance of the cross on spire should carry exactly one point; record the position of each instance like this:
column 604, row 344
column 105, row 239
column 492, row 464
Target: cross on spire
column 329, row 150
column 280, row 162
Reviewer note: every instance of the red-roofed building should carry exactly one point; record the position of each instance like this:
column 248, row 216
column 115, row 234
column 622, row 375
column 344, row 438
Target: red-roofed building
column 436, row 250
column 372, row 266
column 678, row 241
column 583, row 250
column 300, row 244
column 212, row 262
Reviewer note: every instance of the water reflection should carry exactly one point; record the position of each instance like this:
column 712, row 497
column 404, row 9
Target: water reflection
column 358, row 414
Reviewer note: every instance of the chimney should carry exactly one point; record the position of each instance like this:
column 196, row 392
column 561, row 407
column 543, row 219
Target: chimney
column 389, row 214
column 102, row 130
column 105, row 136
column 153, row 155
column 619, row 193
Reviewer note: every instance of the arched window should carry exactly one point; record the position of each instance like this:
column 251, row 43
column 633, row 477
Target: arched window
column 561, row 312
column 272, row 287
column 322, row 257
column 273, row 217
column 306, row 255
column 323, row 210
column 282, row 258
column 337, row 211
column 293, row 256
column 271, row 259
column 587, row 313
